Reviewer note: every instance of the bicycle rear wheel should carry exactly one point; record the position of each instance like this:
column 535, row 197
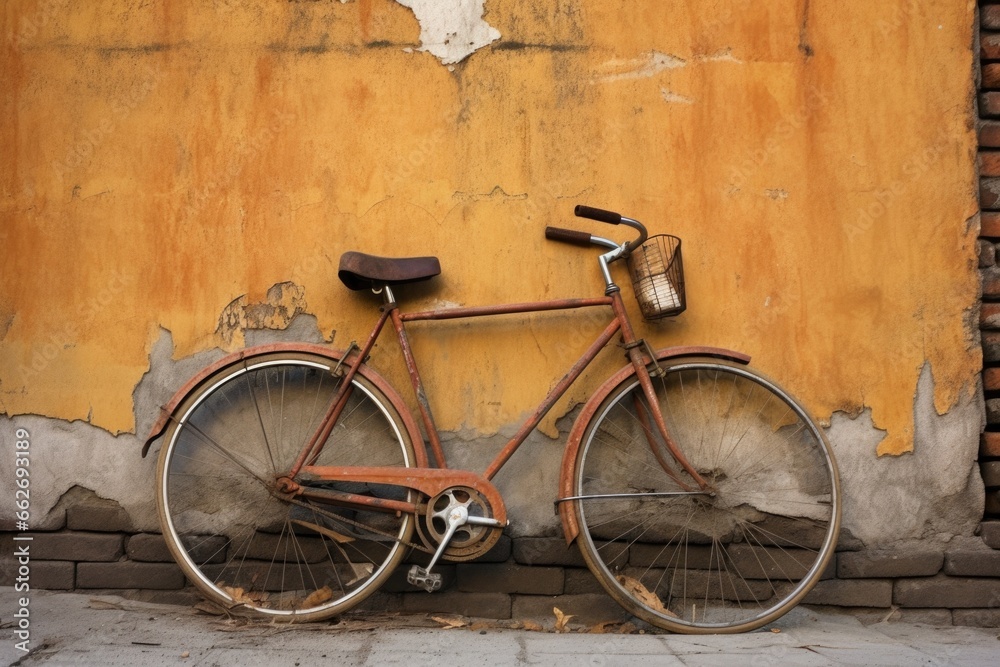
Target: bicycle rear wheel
column 728, row 562
column 244, row 544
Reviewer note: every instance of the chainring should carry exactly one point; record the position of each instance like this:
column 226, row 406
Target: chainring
column 469, row 541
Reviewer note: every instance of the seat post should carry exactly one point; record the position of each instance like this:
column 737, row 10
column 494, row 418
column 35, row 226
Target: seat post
column 388, row 297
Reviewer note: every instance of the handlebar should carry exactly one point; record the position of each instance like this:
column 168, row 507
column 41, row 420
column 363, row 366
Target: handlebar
column 598, row 214
column 575, row 237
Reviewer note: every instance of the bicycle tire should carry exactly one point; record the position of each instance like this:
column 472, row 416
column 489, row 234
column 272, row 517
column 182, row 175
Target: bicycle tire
column 247, row 547
column 730, row 562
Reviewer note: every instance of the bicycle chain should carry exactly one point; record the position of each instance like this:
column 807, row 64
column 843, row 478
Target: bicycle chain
column 358, row 524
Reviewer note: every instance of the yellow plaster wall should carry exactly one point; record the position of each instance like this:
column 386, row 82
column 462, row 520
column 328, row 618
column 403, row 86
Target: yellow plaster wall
column 161, row 159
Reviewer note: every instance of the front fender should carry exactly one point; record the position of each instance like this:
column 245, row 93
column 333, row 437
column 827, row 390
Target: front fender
column 570, row 527
column 243, row 356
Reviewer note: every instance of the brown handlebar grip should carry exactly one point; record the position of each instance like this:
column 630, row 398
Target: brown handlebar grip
column 598, row 214
column 567, row 236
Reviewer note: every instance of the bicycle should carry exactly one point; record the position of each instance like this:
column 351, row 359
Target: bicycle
column 293, row 479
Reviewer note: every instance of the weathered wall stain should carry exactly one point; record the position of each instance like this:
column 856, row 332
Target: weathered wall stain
column 210, row 164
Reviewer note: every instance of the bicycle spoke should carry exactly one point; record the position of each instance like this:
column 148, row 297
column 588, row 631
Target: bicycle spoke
column 246, row 543
column 727, row 561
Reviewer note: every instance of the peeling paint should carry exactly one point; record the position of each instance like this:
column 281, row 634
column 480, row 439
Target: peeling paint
column 283, row 302
column 935, row 490
column 452, row 30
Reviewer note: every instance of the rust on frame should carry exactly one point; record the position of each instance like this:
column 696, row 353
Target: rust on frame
column 430, row 481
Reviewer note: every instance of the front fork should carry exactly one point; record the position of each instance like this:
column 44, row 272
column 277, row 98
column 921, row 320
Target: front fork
column 635, row 348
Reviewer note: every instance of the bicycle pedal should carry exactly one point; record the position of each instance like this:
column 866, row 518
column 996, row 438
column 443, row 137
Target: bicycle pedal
column 429, row 581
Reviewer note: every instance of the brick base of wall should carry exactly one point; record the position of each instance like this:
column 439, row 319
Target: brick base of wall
column 525, row 578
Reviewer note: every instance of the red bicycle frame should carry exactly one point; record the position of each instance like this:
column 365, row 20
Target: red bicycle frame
column 434, row 480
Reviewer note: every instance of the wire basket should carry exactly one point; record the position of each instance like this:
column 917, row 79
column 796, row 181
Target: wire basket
column 658, row 277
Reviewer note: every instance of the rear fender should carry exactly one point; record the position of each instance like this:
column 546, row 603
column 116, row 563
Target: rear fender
column 168, row 411
column 567, row 471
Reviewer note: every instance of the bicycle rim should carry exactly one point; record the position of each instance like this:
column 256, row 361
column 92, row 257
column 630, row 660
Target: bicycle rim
column 698, row 563
column 243, row 544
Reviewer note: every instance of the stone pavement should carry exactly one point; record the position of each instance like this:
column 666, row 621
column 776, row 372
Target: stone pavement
column 74, row 629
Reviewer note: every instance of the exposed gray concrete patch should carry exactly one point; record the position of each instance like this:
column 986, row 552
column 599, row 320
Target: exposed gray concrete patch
column 451, row 30
column 301, row 329
column 69, row 454
column 936, row 491
column 164, row 377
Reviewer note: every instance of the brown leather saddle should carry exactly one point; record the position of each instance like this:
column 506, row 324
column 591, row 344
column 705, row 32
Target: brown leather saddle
column 360, row 271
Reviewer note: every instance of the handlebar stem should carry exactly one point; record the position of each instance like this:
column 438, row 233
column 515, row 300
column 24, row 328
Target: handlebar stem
column 604, row 260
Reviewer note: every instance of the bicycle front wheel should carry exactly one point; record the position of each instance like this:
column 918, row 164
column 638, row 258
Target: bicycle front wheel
column 729, row 560
column 242, row 542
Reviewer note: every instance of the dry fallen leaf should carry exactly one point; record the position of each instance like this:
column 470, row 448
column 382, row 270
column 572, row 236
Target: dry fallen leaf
column 240, row 596
column 643, row 594
column 186, row 654
column 601, row 628
column 318, row 597
column 561, row 619
column 450, row 623
column 531, row 626
column 775, row 630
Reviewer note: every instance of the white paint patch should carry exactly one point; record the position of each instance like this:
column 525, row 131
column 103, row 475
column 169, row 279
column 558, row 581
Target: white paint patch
column 674, row 98
column 726, row 55
column 444, row 304
column 638, row 68
column 451, row 30
column 654, row 63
